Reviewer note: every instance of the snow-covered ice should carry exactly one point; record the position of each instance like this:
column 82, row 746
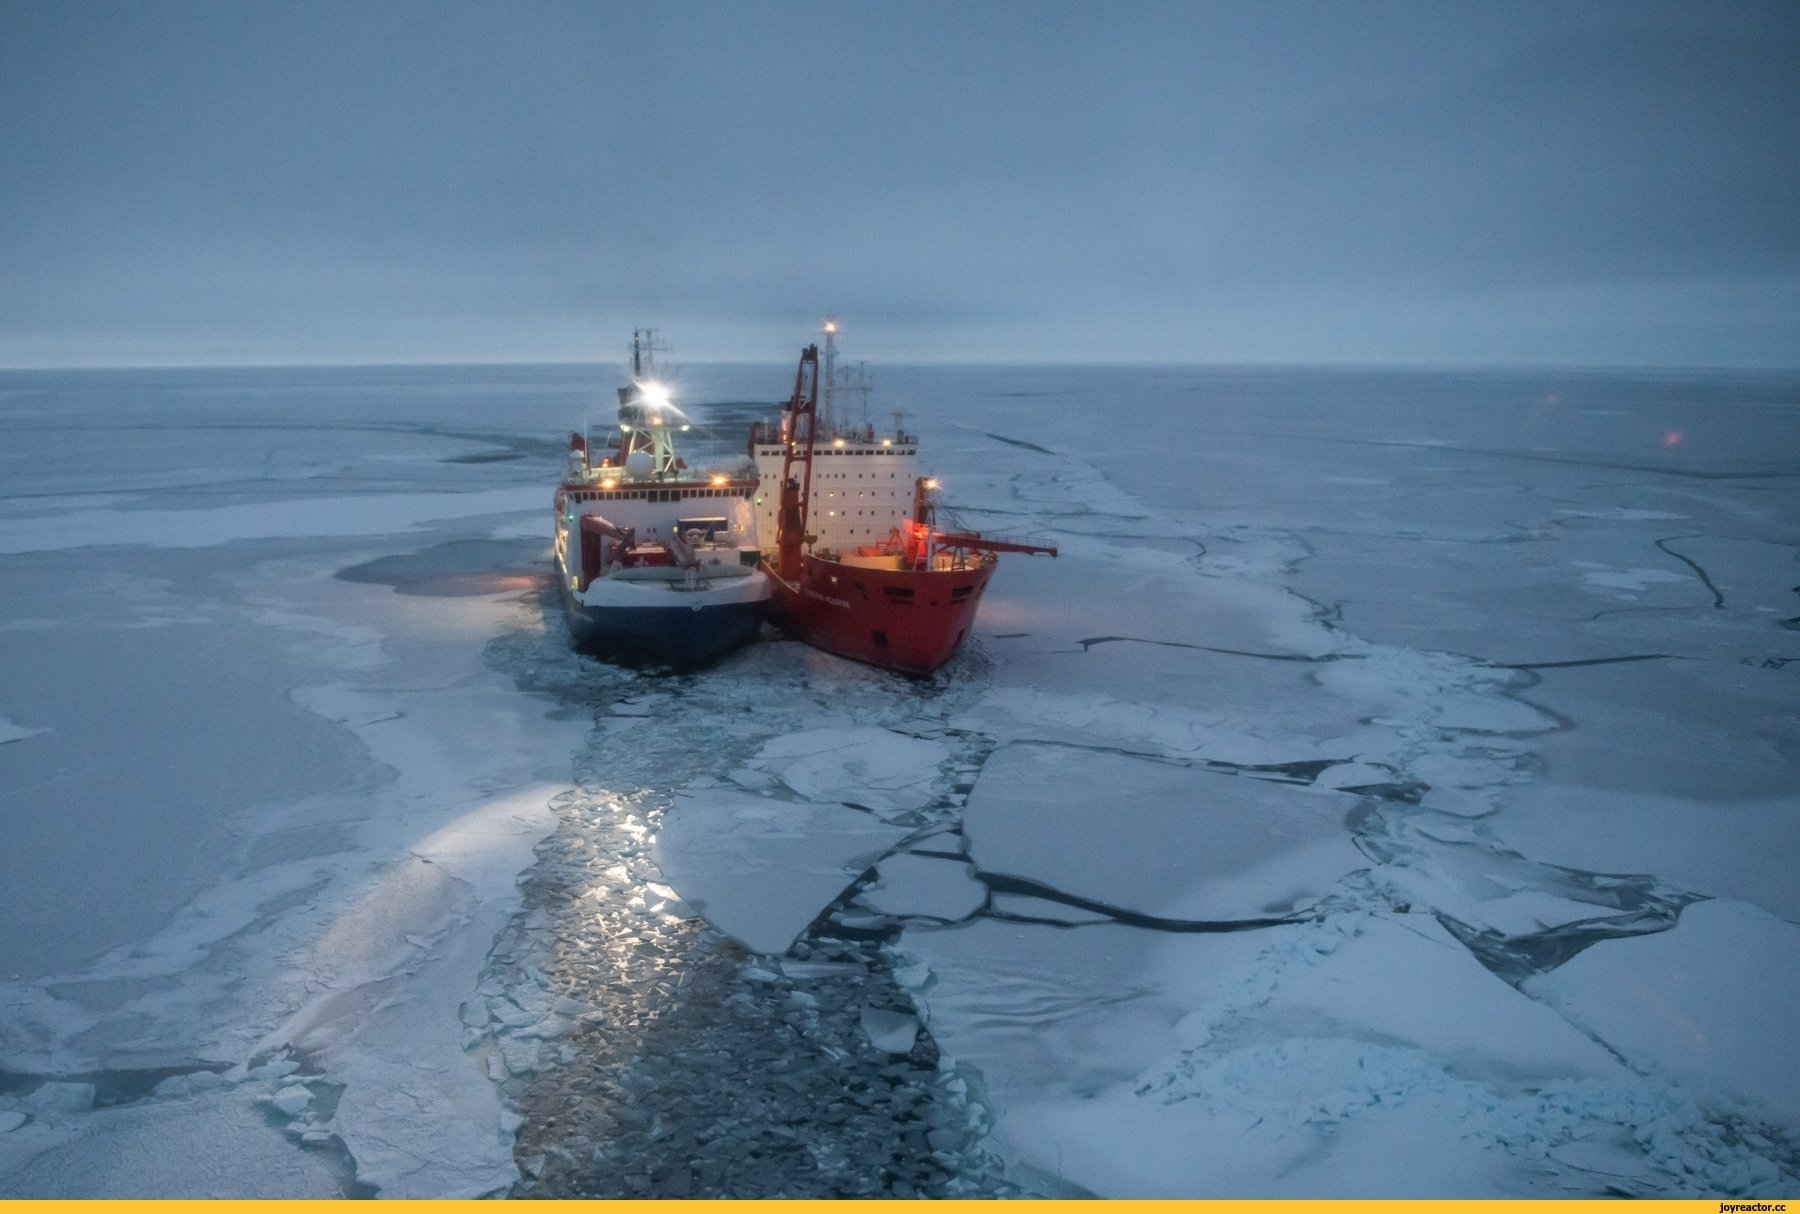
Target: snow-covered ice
column 1706, row 1005
column 1155, row 838
column 268, row 820
column 1393, row 789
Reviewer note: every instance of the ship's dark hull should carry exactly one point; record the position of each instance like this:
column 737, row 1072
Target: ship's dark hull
column 681, row 637
column 911, row 621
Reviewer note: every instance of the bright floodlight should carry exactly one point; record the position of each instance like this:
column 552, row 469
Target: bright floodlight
column 655, row 395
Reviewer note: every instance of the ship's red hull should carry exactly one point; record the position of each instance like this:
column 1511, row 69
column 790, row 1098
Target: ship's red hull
column 909, row 620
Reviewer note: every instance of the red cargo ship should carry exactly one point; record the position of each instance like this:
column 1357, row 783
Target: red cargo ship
column 858, row 565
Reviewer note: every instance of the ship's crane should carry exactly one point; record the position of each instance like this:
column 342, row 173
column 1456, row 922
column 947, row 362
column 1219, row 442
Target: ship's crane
column 990, row 543
column 923, row 535
column 798, row 421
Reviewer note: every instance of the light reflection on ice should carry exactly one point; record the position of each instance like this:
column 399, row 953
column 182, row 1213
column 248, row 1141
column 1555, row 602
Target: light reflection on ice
column 760, row 870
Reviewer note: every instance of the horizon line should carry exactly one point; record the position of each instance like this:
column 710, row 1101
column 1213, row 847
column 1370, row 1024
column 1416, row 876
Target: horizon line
column 1134, row 364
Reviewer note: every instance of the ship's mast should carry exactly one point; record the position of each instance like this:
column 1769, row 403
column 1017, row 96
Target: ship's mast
column 830, row 410
column 644, row 349
column 643, row 404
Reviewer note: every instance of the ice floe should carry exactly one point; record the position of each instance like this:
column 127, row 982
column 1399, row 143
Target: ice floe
column 760, row 869
column 927, row 887
column 1156, row 838
column 878, row 769
column 1707, row 1004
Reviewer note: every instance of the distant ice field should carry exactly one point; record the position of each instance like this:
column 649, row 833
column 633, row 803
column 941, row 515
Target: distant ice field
column 1396, row 777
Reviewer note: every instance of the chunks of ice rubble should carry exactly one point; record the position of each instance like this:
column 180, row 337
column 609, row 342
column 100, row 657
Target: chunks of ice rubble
column 1457, row 868
column 212, row 1144
column 1156, row 838
column 890, row 1031
column 10, row 1120
column 761, row 870
column 1708, row 1003
column 926, row 886
column 877, row 768
column 293, row 1099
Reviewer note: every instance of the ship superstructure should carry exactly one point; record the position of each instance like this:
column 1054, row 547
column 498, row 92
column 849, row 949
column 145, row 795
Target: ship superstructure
column 656, row 562
column 857, row 562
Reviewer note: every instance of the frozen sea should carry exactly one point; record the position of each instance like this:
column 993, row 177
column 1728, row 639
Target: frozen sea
column 1393, row 789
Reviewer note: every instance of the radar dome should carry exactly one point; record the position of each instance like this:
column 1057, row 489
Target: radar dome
column 639, row 463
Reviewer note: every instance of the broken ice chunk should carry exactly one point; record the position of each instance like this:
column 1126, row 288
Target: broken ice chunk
column 926, row 887
column 876, row 768
column 1352, row 775
column 889, row 1031
column 293, row 1099
column 760, row 870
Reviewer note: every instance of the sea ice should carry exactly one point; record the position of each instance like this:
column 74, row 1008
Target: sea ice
column 1436, row 588
column 1359, row 1056
column 58, row 1099
column 926, row 887
column 364, row 514
column 12, row 731
column 760, row 870
column 1722, row 847
column 878, row 769
column 1707, row 1004
column 889, row 1031
column 1157, row 838
column 293, row 1099
column 216, row 1143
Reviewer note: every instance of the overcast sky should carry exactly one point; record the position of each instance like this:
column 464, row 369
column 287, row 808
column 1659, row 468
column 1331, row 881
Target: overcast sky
column 1437, row 182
